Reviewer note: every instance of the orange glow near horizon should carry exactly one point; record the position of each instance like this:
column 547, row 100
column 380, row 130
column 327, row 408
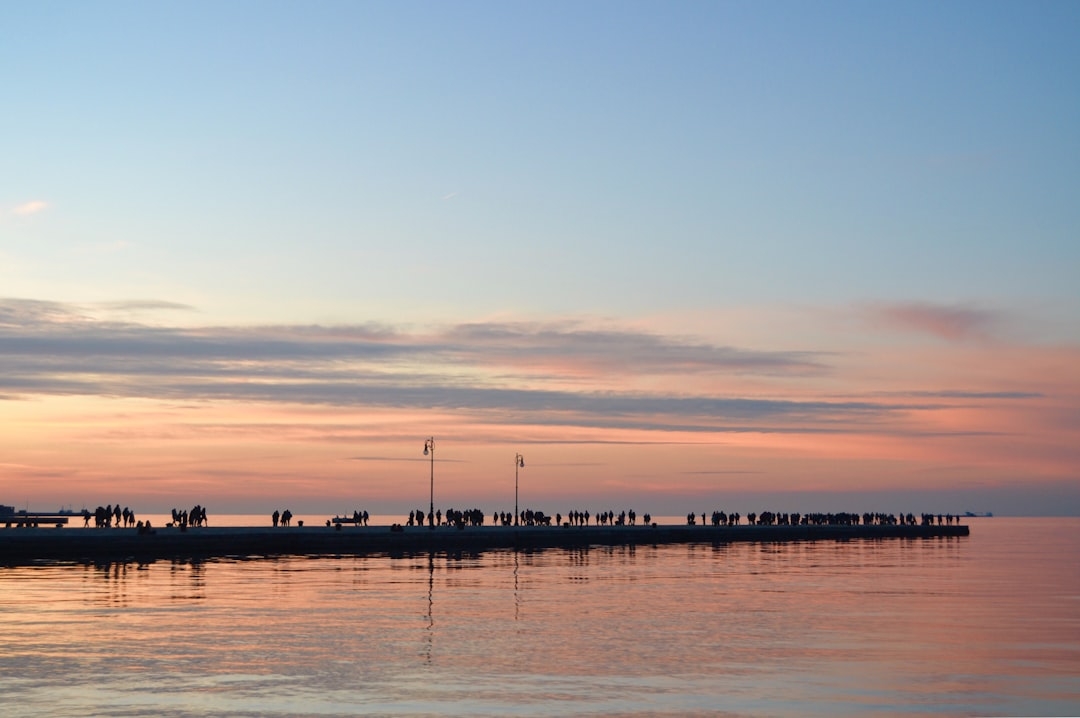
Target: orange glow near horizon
column 920, row 418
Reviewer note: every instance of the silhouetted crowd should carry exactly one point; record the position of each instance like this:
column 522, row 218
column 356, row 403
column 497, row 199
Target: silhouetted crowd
column 454, row 517
column 105, row 516
column 769, row 518
column 108, row 516
column 525, row 517
column 183, row 518
column 605, row 518
column 531, row 517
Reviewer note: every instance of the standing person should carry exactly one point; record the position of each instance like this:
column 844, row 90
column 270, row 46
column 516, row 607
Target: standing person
column 275, row 516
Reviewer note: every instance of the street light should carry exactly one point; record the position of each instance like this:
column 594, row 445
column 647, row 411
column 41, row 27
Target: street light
column 519, row 463
column 429, row 448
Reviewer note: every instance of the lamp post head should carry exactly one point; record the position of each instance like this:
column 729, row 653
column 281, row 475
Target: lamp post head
column 425, row 449
column 521, row 461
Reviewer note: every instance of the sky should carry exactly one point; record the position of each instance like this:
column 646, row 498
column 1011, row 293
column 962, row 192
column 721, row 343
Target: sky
column 680, row 256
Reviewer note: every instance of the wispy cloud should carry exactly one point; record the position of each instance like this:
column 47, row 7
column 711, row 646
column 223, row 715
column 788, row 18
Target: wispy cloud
column 959, row 394
column 554, row 374
column 142, row 305
column 33, row 315
column 63, row 330
column 517, row 370
column 612, row 349
column 348, row 399
column 948, row 322
column 28, row 208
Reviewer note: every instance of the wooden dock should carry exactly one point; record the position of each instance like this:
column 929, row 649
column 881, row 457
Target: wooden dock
column 28, row 545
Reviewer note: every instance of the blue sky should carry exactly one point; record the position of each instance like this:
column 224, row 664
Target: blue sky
column 466, row 154
column 814, row 179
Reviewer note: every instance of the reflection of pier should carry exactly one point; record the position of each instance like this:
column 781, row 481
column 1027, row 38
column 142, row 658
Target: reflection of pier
column 123, row 544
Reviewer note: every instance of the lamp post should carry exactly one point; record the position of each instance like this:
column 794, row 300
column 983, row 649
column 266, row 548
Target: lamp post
column 519, row 463
column 429, row 449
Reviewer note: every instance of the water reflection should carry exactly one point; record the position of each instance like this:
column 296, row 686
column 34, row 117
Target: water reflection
column 429, row 636
column 112, row 576
column 188, row 580
column 958, row 626
column 517, row 588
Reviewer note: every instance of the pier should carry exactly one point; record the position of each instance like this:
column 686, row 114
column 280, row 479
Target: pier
column 32, row 519
column 29, row 545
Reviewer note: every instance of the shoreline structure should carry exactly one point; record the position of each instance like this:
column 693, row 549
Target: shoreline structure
column 27, row 545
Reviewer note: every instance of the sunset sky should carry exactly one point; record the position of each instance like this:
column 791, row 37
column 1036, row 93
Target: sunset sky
column 680, row 255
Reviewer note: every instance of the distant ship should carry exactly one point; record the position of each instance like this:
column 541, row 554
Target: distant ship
column 22, row 517
column 978, row 514
column 12, row 511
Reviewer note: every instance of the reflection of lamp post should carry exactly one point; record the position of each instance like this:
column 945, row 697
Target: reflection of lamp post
column 519, row 463
column 429, row 448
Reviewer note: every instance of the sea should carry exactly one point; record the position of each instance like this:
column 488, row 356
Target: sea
column 987, row 624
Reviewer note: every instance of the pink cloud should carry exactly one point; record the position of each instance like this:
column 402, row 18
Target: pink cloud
column 952, row 323
column 28, row 208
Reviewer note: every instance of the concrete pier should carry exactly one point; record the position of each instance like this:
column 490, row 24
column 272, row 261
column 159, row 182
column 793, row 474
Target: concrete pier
column 29, row 545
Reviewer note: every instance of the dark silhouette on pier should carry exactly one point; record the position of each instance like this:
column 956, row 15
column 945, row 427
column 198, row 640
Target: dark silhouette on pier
column 458, row 530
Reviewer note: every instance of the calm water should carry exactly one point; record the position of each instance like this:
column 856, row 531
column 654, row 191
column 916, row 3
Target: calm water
column 986, row 625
